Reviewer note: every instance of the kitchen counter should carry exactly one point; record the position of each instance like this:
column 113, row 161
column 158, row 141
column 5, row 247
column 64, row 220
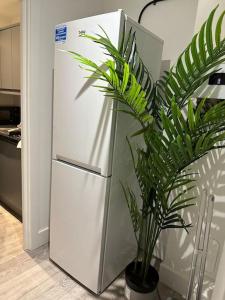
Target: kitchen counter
column 11, row 138
column 10, row 172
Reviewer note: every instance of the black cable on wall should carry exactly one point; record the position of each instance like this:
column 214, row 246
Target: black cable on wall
column 146, row 6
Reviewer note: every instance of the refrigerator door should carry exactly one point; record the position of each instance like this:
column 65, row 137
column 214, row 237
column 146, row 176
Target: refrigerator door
column 77, row 221
column 83, row 118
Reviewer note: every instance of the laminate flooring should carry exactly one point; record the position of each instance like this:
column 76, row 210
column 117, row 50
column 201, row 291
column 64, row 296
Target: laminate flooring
column 28, row 275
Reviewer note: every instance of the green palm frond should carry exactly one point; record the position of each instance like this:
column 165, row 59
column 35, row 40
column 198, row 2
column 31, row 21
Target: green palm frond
column 124, row 89
column 127, row 53
column 195, row 65
column 133, row 208
column 162, row 166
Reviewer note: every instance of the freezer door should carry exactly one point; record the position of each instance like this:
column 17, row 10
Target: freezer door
column 83, row 117
column 78, row 204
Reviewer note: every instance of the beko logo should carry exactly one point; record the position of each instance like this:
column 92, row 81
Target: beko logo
column 81, row 32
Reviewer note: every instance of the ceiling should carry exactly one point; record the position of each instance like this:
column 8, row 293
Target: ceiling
column 9, row 12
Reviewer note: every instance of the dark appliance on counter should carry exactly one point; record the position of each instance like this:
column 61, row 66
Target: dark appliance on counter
column 10, row 160
column 9, row 115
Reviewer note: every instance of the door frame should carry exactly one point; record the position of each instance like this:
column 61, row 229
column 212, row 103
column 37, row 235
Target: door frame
column 35, row 232
column 25, row 151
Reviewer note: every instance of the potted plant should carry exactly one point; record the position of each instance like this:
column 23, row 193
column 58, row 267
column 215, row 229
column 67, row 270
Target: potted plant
column 174, row 140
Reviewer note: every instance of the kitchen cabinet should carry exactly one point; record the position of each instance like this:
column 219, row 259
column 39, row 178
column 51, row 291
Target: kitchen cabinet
column 10, row 176
column 16, row 58
column 10, row 58
column 6, row 58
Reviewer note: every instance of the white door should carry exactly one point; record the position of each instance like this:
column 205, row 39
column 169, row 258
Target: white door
column 78, row 208
column 83, row 117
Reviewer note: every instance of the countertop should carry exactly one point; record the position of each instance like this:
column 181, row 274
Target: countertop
column 12, row 138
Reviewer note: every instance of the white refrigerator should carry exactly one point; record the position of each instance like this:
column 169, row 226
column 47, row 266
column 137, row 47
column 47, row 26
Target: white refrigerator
column 91, row 234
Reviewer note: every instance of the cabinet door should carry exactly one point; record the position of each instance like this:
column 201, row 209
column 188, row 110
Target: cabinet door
column 6, row 58
column 16, row 58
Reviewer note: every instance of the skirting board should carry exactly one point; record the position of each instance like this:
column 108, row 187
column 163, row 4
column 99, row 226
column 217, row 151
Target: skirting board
column 45, row 233
column 173, row 279
column 179, row 283
column 41, row 238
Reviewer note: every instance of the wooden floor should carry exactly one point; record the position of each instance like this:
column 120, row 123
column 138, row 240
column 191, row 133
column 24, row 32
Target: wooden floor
column 30, row 275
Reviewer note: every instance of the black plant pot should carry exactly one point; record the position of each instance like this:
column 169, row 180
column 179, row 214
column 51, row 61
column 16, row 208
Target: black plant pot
column 135, row 288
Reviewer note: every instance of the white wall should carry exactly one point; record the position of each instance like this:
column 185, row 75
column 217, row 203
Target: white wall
column 204, row 7
column 172, row 20
column 39, row 20
column 176, row 267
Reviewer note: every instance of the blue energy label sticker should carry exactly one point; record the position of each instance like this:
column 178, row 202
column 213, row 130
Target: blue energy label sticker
column 61, row 34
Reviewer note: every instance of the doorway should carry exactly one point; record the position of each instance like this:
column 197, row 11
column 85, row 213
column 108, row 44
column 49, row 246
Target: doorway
column 11, row 229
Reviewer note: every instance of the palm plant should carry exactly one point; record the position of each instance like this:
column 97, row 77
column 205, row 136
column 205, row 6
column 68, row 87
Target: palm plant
column 174, row 140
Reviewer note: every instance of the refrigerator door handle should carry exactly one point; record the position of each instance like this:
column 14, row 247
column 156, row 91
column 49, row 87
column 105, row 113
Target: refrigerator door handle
column 79, row 164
